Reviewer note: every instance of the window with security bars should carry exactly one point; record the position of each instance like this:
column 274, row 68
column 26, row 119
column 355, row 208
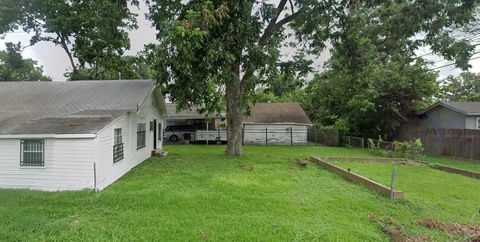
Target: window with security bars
column 32, row 152
column 141, row 135
column 117, row 145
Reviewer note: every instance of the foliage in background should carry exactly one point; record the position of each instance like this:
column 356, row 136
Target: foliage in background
column 465, row 87
column 13, row 67
column 374, row 80
column 94, row 32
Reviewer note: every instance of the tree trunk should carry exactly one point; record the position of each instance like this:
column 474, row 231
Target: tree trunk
column 234, row 93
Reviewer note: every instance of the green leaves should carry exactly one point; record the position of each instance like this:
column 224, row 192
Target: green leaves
column 14, row 68
column 95, row 32
column 462, row 88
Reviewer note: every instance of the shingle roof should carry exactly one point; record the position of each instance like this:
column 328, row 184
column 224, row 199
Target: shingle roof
column 79, row 107
column 467, row 108
column 277, row 113
column 172, row 113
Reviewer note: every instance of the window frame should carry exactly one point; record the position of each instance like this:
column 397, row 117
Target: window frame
column 118, row 147
column 141, row 136
column 32, row 163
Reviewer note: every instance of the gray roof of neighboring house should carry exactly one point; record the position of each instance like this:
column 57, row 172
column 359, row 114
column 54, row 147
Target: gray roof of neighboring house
column 191, row 113
column 76, row 107
column 277, row 113
column 466, row 108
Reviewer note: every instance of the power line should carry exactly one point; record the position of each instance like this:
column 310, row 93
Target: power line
column 451, row 64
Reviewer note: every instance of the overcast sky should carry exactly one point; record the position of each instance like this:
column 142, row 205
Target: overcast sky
column 55, row 62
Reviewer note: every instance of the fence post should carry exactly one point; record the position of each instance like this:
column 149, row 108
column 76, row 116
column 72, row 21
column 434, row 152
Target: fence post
column 291, row 136
column 363, row 143
column 243, row 135
column 266, row 135
column 392, row 183
column 349, row 141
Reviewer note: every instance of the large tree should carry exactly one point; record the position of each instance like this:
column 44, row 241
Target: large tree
column 215, row 52
column 13, row 67
column 374, row 80
column 92, row 31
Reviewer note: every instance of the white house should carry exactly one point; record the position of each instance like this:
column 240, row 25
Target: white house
column 76, row 135
column 276, row 124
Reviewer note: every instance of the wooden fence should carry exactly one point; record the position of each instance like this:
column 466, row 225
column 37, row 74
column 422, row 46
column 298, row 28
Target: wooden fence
column 461, row 143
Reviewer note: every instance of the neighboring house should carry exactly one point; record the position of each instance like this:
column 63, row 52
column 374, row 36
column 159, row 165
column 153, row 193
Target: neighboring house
column 76, row 135
column 276, row 123
column 450, row 115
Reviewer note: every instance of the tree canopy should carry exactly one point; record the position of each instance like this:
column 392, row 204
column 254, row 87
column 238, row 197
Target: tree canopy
column 462, row 88
column 94, row 32
column 374, row 80
column 13, row 67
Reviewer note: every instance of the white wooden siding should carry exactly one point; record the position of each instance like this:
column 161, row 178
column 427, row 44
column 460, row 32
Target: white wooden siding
column 68, row 166
column 107, row 171
column 275, row 133
column 69, row 162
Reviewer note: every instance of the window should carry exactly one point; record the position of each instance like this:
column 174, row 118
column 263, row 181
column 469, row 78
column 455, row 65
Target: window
column 117, row 145
column 141, row 128
column 32, row 152
column 478, row 123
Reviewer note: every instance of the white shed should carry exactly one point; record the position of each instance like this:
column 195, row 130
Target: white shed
column 76, row 135
column 276, row 124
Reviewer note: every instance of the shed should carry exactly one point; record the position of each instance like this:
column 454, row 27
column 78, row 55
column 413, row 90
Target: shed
column 76, row 135
column 276, row 124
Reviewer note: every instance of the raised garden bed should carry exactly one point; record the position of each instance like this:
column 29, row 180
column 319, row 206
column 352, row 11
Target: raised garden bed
column 462, row 172
column 386, row 191
column 366, row 159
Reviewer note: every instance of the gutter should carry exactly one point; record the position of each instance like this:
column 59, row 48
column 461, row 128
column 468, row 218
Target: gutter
column 49, row 136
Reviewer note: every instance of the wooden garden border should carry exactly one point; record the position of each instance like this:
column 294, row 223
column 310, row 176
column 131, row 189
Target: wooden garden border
column 462, row 172
column 386, row 191
column 365, row 159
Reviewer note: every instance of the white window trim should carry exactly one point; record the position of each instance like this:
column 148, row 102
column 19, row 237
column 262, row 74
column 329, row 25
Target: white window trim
column 477, row 125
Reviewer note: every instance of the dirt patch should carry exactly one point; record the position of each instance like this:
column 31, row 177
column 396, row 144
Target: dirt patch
column 395, row 231
column 468, row 232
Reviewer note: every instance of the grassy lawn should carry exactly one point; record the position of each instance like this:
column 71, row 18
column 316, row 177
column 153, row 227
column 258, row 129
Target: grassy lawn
column 197, row 194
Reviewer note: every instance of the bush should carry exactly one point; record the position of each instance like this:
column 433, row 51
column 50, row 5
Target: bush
column 376, row 148
column 408, row 149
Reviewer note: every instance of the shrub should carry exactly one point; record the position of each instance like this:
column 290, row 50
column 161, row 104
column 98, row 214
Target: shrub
column 408, row 149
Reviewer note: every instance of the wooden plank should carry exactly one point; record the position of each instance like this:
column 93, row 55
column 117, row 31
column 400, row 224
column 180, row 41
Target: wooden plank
column 364, row 159
column 462, row 172
column 386, row 191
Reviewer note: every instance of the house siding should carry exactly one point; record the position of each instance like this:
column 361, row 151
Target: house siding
column 107, row 171
column 80, row 163
column 68, row 166
column 279, row 134
column 444, row 118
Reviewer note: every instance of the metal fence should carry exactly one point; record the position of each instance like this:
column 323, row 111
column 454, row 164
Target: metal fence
column 322, row 136
column 251, row 136
column 275, row 136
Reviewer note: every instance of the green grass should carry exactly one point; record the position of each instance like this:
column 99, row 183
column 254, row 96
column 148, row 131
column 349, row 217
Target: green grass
column 197, row 194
